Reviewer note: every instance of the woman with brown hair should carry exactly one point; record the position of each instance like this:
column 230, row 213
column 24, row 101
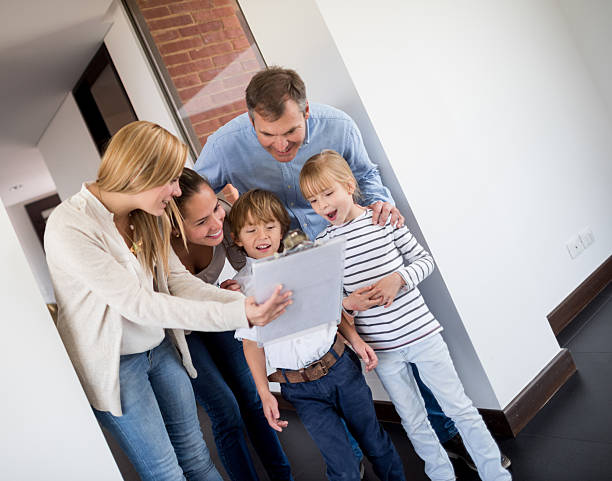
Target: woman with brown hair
column 226, row 389
column 124, row 300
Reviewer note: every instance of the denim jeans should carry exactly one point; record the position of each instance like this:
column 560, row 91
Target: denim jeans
column 443, row 425
column 344, row 393
column 226, row 390
column 435, row 366
column 159, row 430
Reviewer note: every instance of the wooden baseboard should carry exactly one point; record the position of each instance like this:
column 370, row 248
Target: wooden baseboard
column 514, row 417
column 580, row 297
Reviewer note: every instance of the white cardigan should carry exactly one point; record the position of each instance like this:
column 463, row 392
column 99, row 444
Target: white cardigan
column 88, row 261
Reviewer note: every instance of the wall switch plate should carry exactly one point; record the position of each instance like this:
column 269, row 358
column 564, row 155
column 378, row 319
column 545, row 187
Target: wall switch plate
column 587, row 237
column 574, row 247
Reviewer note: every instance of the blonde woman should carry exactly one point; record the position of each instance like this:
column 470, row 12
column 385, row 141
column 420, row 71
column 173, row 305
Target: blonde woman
column 124, row 299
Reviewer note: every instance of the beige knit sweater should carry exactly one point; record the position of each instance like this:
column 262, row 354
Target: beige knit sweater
column 87, row 260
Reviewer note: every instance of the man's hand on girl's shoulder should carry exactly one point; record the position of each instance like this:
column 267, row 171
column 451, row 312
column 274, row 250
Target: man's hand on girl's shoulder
column 381, row 212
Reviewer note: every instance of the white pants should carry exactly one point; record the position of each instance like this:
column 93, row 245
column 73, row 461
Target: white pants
column 436, row 369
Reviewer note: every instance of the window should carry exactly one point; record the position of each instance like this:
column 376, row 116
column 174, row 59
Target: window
column 204, row 55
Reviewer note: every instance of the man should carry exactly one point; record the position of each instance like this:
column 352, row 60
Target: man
column 267, row 147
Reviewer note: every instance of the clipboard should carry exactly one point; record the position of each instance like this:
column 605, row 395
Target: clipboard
column 314, row 275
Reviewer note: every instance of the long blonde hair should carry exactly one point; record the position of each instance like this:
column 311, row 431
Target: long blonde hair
column 140, row 156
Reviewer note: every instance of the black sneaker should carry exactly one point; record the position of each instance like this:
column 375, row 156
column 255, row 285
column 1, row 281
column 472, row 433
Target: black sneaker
column 456, row 450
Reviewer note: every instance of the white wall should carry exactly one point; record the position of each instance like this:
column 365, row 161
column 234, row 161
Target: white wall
column 68, row 149
column 48, row 429
column 32, row 247
column 590, row 23
column 313, row 53
column 493, row 125
column 22, row 165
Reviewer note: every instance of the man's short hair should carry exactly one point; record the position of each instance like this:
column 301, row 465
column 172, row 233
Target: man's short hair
column 269, row 89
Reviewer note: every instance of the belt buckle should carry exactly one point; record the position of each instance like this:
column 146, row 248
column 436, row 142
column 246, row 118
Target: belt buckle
column 323, row 367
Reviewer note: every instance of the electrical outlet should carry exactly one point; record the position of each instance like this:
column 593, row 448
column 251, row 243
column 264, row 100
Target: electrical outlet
column 574, row 247
column 587, row 237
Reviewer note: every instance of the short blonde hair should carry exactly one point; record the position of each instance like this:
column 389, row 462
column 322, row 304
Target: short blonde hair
column 258, row 205
column 140, row 156
column 322, row 170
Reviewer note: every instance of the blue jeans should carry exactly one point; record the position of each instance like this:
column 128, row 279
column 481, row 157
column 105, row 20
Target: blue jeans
column 344, row 393
column 443, row 425
column 159, row 430
column 436, row 368
column 226, row 390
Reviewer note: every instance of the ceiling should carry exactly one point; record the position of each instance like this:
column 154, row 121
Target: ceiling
column 44, row 47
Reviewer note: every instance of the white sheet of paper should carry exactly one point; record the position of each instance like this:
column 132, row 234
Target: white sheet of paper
column 314, row 276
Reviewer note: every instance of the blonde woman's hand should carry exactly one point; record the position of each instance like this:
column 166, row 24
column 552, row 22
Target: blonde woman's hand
column 262, row 314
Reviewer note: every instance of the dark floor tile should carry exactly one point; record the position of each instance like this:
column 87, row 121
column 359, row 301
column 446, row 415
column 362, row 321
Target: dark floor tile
column 581, row 408
column 306, row 461
column 413, row 465
column 128, row 473
column 539, row 458
column 597, row 336
column 584, row 317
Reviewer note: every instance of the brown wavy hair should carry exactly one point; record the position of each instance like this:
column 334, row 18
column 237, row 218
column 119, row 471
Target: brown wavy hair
column 258, row 205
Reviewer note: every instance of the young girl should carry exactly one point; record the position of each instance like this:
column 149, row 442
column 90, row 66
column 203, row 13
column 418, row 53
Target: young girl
column 119, row 287
column 224, row 386
column 383, row 266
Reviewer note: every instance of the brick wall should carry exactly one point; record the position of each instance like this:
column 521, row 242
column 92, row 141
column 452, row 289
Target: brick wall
column 207, row 55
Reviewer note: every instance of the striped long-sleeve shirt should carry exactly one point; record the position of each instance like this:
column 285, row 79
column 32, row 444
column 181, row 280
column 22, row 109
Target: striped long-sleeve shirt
column 373, row 252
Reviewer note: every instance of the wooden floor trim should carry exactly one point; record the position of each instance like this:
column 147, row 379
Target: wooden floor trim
column 561, row 316
column 512, row 419
column 515, row 416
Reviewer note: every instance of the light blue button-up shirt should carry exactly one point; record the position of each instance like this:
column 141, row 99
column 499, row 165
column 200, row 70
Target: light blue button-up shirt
column 233, row 155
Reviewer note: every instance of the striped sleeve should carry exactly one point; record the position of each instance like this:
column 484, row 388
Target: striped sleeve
column 418, row 263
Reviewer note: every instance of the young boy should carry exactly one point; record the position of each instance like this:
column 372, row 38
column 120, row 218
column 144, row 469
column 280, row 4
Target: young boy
column 321, row 378
column 383, row 266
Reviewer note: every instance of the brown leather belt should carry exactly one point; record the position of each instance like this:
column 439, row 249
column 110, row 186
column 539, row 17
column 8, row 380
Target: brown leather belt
column 314, row 371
